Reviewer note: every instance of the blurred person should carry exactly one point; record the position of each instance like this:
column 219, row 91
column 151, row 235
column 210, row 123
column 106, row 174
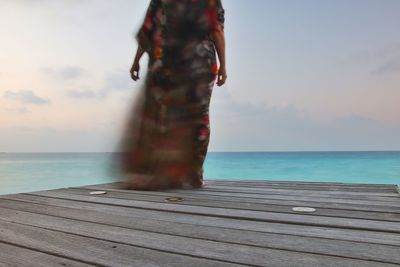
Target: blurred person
column 165, row 139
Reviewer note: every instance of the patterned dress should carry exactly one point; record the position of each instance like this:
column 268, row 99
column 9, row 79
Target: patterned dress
column 167, row 134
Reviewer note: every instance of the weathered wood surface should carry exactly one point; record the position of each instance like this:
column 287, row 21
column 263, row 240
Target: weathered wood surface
column 226, row 223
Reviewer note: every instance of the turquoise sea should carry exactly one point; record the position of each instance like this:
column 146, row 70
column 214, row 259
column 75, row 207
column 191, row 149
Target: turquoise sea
column 25, row 172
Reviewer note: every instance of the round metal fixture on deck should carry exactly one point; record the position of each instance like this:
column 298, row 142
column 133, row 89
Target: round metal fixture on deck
column 98, row 192
column 304, row 209
column 174, row 199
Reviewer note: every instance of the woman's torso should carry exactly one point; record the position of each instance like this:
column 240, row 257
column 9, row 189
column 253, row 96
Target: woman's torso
column 182, row 41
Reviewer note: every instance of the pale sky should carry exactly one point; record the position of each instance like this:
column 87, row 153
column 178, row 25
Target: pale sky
column 302, row 75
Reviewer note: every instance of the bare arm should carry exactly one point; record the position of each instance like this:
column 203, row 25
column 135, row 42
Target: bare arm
column 135, row 66
column 139, row 53
column 143, row 39
column 219, row 40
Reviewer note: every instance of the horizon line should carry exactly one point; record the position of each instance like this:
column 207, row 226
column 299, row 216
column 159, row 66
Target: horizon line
column 253, row 151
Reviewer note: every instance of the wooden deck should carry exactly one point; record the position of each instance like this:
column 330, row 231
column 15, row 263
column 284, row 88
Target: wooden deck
column 227, row 223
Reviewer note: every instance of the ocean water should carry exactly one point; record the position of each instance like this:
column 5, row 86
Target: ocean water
column 27, row 172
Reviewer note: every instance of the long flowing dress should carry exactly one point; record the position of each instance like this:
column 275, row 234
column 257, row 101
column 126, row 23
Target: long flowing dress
column 167, row 134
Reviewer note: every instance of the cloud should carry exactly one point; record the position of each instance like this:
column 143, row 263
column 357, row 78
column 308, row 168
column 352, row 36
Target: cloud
column 118, row 81
column 65, row 73
column 26, row 97
column 241, row 126
column 81, row 93
column 353, row 120
column 390, row 66
column 18, row 111
column 380, row 60
column 49, row 139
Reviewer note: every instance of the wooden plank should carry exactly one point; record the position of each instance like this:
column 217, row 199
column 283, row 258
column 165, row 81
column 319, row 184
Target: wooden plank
column 295, row 184
column 290, row 192
column 394, row 203
column 350, row 223
column 363, row 251
column 323, row 187
column 161, row 242
column 96, row 250
column 255, row 205
column 111, row 215
column 252, row 199
column 229, row 222
column 331, row 194
column 18, row 256
column 280, row 182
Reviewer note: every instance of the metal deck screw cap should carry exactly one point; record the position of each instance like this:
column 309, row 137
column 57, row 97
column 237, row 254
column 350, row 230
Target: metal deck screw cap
column 173, row 199
column 98, row 193
column 304, row 209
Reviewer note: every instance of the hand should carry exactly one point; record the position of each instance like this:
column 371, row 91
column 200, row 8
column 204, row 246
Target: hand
column 135, row 71
column 221, row 76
